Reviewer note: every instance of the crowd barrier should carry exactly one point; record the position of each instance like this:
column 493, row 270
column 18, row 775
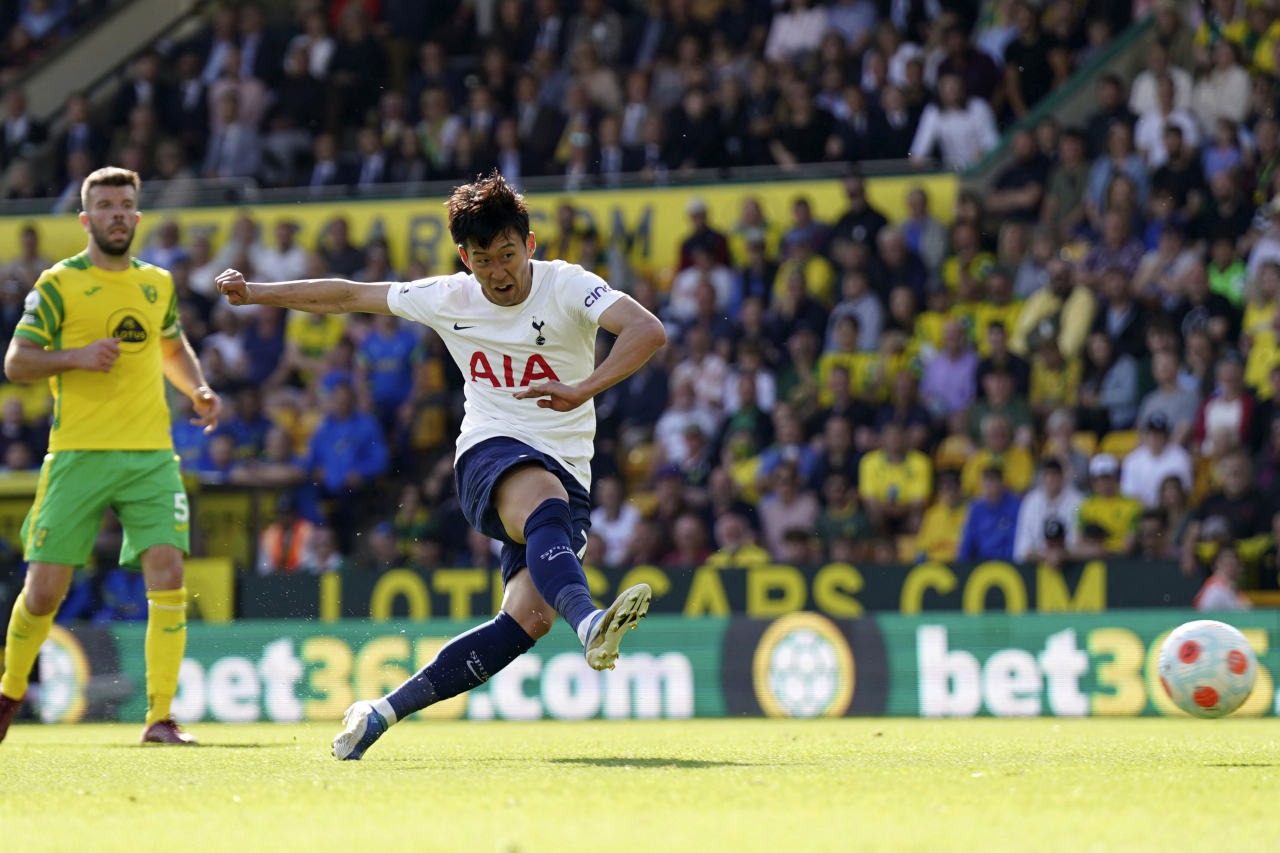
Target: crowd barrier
column 799, row 665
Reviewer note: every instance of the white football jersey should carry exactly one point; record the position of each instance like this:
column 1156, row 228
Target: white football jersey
column 500, row 350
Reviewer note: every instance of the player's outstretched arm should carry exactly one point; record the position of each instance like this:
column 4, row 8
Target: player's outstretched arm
column 182, row 369
column 316, row 296
column 27, row 361
column 640, row 335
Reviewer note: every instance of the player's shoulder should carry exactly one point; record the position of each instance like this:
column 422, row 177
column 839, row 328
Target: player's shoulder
column 146, row 270
column 76, row 265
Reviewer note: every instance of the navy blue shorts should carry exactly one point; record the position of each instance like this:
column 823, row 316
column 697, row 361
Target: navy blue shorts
column 478, row 470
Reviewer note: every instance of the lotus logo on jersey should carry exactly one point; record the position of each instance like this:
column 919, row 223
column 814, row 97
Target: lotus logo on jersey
column 130, row 327
column 537, row 327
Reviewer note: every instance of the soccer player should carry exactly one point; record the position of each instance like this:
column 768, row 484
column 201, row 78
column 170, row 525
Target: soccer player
column 103, row 328
column 523, row 333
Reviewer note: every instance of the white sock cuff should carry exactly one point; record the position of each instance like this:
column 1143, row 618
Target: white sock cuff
column 585, row 626
column 383, row 707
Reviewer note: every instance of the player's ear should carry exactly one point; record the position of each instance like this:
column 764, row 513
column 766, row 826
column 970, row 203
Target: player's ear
column 84, row 220
column 532, row 243
column 462, row 253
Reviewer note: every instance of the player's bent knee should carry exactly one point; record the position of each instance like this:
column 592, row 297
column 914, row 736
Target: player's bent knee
column 523, row 604
column 45, row 587
column 162, row 567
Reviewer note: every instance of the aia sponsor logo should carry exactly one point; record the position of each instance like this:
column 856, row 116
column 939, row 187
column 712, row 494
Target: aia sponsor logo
column 535, row 369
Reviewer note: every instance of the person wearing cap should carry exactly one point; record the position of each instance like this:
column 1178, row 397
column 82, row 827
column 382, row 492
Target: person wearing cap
column 944, row 521
column 284, row 543
column 998, row 450
column 1107, row 508
column 993, row 521
column 1052, row 500
column 703, row 235
column 1152, row 461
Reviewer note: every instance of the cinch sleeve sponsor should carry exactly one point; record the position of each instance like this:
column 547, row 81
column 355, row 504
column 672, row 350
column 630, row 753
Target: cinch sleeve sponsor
column 42, row 312
column 585, row 296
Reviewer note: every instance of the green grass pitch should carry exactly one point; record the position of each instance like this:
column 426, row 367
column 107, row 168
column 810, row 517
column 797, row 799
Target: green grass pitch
column 737, row 785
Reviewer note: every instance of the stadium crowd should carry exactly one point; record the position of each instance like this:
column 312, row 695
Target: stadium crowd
column 358, row 94
column 1080, row 361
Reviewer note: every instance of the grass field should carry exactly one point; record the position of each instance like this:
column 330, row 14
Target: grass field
column 738, row 785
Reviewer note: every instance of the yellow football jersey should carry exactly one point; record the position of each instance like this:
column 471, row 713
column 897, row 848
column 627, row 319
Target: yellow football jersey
column 74, row 304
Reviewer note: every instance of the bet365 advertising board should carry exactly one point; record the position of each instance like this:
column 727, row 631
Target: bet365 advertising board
column 800, row 665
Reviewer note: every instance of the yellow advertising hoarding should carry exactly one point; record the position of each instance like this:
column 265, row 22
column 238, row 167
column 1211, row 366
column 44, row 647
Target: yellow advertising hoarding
column 650, row 221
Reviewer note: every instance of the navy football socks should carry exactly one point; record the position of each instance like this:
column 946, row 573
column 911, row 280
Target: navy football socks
column 553, row 564
column 465, row 662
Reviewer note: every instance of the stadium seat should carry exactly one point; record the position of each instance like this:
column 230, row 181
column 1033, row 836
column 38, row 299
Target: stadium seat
column 1085, row 442
column 1120, row 443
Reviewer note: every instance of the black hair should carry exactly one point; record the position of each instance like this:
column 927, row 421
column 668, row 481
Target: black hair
column 482, row 211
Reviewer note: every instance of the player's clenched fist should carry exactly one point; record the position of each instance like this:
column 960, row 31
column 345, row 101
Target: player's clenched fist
column 232, row 285
column 99, row 355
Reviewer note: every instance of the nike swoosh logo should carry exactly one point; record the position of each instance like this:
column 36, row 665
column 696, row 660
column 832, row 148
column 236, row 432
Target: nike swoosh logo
column 18, row 636
column 458, row 328
column 92, row 291
column 174, row 630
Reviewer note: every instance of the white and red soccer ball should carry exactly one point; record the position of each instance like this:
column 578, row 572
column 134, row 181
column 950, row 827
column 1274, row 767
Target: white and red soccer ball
column 1207, row 668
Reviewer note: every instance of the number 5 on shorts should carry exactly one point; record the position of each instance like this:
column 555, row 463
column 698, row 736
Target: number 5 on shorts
column 181, row 512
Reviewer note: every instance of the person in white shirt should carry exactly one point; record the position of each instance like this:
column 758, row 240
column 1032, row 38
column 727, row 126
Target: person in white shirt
column 614, row 520
column 796, row 33
column 286, row 260
column 1053, row 499
column 682, row 306
column 1153, row 461
column 1224, row 91
column 1142, row 96
column 1219, row 591
column 963, row 128
column 1148, row 135
column 523, row 333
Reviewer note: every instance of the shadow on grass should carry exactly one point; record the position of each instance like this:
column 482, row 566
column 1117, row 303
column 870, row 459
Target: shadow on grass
column 648, row 763
column 1240, row 765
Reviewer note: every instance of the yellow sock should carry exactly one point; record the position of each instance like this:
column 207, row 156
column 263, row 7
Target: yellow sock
column 166, row 642
column 26, row 634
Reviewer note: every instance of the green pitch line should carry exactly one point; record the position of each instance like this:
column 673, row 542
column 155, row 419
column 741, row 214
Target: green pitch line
column 741, row 786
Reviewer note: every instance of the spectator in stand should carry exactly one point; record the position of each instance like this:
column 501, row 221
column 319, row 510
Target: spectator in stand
column 1107, row 509
column 841, row 517
column 614, row 520
column 386, row 359
column 1144, row 95
column 703, row 235
column 1118, row 317
column 1019, row 191
column 963, row 127
column 860, row 223
column 993, row 519
column 736, row 545
column 347, row 454
column 998, row 451
column 1109, row 392
column 1153, row 461
column 1225, row 420
column 1052, row 500
column 924, row 235
column 284, row 544
column 948, row 384
column 1149, row 134
column 322, row 554
column 944, row 522
column 894, row 484
column 689, row 537
column 1034, row 62
column 1219, row 591
column 1178, row 405
column 787, row 506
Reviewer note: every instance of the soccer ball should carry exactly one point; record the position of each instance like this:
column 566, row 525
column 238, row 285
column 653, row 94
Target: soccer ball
column 1207, row 668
